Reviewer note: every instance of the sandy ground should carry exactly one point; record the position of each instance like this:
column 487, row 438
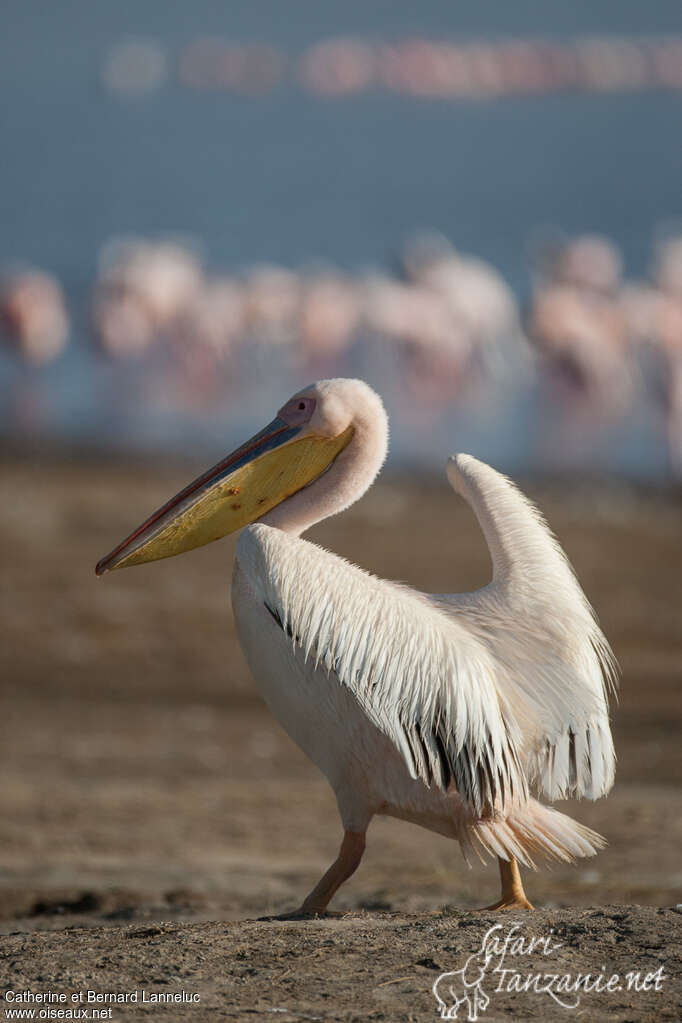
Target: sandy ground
column 152, row 810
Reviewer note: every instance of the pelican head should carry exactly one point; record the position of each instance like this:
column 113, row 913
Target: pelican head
column 291, row 452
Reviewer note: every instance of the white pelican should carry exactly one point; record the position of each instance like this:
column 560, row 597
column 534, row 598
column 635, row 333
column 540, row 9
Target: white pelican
column 446, row 710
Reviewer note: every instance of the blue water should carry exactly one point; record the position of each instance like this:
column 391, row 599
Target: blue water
column 291, row 178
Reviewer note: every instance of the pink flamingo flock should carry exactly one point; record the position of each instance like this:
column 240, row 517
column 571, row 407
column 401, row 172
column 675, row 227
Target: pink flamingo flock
column 444, row 69
column 447, row 324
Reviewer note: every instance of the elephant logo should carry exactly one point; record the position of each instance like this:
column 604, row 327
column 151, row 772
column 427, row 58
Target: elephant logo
column 463, row 988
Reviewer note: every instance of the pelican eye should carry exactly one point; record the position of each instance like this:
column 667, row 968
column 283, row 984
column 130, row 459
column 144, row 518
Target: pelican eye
column 298, row 411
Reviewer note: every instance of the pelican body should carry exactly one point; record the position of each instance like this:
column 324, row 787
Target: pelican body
column 453, row 711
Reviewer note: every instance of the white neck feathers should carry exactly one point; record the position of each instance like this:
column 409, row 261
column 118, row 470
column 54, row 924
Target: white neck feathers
column 349, row 476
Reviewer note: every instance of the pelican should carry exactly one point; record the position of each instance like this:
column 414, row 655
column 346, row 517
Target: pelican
column 452, row 711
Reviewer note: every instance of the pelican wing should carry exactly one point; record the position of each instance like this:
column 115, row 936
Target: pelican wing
column 555, row 666
column 419, row 676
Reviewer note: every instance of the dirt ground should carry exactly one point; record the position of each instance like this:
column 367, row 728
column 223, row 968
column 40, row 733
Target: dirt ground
column 152, row 810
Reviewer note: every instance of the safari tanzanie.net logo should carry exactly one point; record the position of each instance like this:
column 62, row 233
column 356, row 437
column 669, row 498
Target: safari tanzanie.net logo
column 503, row 964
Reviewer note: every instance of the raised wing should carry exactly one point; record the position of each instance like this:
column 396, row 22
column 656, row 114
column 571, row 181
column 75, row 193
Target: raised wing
column 556, row 669
column 419, row 676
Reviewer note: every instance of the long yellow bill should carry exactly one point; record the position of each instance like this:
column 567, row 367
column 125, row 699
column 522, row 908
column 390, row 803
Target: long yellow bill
column 270, row 467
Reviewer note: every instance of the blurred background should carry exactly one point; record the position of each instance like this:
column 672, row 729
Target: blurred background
column 475, row 206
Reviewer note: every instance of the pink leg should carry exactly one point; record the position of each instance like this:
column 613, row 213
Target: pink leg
column 345, row 864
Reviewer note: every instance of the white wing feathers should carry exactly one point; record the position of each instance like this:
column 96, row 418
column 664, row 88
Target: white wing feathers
column 487, row 691
column 421, row 677
column 555, row 667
